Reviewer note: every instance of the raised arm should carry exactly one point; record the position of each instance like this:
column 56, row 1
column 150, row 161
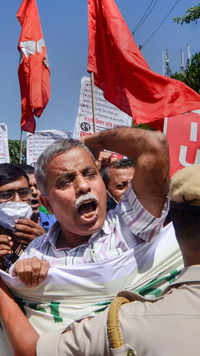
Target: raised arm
column 149, row 149
column 21, row 334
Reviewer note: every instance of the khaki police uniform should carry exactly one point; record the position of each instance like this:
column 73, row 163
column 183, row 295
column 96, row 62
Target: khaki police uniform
column 170, row 326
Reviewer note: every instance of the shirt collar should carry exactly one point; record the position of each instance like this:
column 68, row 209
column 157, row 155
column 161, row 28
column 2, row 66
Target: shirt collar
column 55, row 230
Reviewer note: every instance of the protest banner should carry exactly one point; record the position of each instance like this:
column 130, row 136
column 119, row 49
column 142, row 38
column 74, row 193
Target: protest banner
column 183, row 134
column 4, row 152
column 108, row 116
column 37, row 142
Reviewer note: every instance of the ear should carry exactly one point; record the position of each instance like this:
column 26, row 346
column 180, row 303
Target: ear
column 46, row 203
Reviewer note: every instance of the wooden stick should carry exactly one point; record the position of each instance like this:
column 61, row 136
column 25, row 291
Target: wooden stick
column 93, row 102
column 20, row 147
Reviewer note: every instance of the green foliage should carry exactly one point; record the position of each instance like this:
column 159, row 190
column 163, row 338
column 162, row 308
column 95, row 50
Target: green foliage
column 179, row 76
column 191, row 15
column 14, row 151
column 191, row 75
column 142, row 126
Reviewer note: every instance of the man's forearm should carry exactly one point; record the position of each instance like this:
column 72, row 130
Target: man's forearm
column 21, row 334
column 127, row 141
column 149, row 150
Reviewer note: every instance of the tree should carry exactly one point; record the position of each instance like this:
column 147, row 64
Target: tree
column 191, row 75
column 191, row 15
column 14, row 149
column 179, row 76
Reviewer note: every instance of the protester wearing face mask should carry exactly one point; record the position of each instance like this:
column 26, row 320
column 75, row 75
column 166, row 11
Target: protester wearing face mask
column 40, row 214
column 16, row 227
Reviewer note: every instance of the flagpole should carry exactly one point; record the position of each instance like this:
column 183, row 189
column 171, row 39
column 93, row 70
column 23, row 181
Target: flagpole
column 20, row 147
column 93, row 102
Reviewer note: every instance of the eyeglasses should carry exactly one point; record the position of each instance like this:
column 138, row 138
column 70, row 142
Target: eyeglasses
column 10, row 194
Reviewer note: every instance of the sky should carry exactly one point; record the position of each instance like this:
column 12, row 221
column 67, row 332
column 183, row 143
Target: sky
column 65, row 29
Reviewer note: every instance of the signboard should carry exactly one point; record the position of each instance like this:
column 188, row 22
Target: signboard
column 4, row 152
column 183, row 134
column 37, row 142
column 107, row 115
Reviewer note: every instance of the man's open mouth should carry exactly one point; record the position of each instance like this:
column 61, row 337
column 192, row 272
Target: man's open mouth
column 87, row 209
column 34, row 201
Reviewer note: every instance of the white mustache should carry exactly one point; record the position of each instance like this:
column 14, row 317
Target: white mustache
column 85, row 197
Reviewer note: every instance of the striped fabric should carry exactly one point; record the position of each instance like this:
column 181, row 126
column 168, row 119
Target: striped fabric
column 126, row 227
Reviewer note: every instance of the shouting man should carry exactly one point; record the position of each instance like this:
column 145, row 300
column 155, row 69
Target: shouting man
column 72, row 188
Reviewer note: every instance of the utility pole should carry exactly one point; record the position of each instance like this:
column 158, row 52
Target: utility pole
column 182, row 60
column 188, row 55
column 167, row 65
column 163, row 62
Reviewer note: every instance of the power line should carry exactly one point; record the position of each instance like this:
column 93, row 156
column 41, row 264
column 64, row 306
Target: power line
column 146, row 14
column 160, row 24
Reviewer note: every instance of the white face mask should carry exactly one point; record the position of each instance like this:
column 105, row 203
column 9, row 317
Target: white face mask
column 11, row 211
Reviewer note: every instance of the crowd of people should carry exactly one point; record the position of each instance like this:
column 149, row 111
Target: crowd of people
column 95, row 218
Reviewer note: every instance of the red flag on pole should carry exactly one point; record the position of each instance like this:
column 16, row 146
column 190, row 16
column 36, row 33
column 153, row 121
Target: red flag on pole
column 33, row 71
column 123, row 74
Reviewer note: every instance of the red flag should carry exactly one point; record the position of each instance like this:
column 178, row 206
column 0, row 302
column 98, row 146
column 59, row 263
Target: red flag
column 33, row 71
column 123, row 74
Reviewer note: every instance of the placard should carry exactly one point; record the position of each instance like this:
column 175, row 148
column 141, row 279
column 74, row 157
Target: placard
column 183, row 134
column 107, row 115
column 4, row 152
column 37, row 143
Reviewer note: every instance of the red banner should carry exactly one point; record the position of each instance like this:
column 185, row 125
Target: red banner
column 183, row 134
